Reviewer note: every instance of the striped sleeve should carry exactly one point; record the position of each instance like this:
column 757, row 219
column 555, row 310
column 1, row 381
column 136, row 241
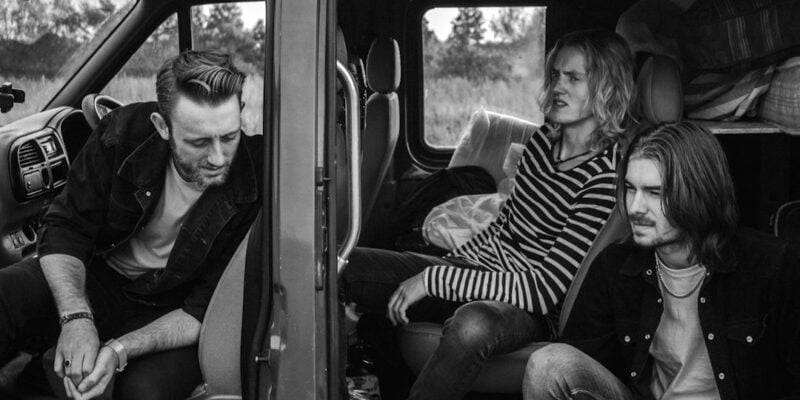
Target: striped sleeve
column 535, row 287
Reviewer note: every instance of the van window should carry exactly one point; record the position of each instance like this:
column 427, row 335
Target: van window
column 238, row 29
column 136, row 81
column 43, row 44
column 489, row 57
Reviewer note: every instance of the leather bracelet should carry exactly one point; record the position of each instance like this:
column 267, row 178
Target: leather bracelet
column 76, row 315
column 122, row 354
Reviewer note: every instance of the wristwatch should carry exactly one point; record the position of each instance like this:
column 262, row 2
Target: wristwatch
column 122, row 354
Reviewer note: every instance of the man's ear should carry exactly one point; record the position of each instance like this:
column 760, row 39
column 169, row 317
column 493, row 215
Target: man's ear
column 160, row 124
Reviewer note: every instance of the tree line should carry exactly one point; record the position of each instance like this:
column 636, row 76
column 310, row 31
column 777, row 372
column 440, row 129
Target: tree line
column 467, row 53
column 37, row 37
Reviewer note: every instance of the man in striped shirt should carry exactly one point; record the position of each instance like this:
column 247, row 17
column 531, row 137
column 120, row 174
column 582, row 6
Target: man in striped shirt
column 494, row 293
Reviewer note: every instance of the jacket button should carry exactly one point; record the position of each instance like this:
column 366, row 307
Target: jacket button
column 649, row 272
column 626, row 338
column 647, row 336
column 710, row 336
column 703, row 300
column 749, row 339
column 721, row 376
column 147, row 193
column 633, row 374
column 659, row 300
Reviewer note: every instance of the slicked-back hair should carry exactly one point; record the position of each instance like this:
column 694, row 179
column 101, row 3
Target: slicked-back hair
column 612, row 90
column 697, row 192
column 204, row 76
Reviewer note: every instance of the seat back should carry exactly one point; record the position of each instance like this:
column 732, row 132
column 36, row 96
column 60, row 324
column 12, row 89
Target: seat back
column 219, row 347
column 382, row 119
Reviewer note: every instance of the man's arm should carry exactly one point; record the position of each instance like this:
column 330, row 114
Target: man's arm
column 78, row 341
column 172, row 330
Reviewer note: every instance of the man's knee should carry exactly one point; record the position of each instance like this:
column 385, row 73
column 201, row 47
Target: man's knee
column 474, row 325
column 553, row 359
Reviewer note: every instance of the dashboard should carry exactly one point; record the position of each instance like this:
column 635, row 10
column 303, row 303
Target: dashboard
column 35, row 155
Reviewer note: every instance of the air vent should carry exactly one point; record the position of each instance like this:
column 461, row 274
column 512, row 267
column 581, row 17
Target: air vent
column 29, row 154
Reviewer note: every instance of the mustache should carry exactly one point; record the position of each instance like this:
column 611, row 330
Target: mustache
column 641, row 220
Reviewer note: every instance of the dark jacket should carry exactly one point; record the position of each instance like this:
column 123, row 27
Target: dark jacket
column 112, row 189
column 749, row 309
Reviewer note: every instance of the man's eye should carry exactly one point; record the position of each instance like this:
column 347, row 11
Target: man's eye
column 228, row 138
column 573, row 78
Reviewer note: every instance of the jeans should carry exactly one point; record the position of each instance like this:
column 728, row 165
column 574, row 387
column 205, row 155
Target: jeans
column 560, row 371
column 29, row 321
column 472, row 333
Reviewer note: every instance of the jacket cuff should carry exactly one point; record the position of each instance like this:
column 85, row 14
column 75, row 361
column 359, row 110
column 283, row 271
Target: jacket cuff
column 55, row 240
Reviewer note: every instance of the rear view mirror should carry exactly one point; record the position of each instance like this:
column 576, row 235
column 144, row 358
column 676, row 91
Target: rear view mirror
column 9, row 96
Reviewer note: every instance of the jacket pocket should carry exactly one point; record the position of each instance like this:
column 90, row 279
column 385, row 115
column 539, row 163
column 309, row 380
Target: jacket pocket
column 749, row 351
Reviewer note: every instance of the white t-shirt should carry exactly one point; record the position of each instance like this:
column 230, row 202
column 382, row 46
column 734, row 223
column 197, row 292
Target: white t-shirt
column 150, row 248
column 681, row 367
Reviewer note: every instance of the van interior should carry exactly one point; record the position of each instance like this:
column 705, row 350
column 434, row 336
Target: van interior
column 361, row 101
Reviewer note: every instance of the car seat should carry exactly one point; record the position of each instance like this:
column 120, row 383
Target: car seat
column 660, row 101
column 382, row 119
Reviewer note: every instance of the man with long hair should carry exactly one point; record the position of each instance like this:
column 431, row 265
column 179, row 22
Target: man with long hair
column 132, row 249
column 502, row 289
column 690, row 306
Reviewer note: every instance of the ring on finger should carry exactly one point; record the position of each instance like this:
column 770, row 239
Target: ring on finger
column 67, row 363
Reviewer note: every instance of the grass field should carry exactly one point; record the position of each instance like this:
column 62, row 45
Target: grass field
column 448, row 102
column 128, row 89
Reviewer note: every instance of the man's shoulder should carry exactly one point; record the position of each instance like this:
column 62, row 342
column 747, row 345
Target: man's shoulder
column 130, row 122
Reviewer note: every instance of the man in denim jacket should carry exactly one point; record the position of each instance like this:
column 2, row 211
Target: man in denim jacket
column 154, row 207
column 689, row 306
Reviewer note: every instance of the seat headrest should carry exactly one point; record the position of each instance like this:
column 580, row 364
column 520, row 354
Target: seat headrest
column 660, row 93
column 383, row 65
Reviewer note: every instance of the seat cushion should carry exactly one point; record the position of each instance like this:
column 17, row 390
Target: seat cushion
column 502, row 373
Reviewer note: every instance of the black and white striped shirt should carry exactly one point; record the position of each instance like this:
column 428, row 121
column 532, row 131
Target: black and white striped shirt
column 531, row 252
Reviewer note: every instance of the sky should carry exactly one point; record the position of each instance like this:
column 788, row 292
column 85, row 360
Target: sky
column 439, row 20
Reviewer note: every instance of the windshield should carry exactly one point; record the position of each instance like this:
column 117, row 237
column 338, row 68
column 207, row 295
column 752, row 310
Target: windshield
column 44, row 42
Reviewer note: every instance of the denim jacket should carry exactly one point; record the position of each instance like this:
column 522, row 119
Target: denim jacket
column 748, row 305
column 112, row 189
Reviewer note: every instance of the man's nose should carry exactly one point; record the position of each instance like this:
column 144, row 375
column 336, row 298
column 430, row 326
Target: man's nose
column 215, row 155
column 636, row 204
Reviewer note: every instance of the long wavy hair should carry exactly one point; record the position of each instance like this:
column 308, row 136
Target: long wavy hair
column 205, row 76
column 610, row 65
column 697, row 191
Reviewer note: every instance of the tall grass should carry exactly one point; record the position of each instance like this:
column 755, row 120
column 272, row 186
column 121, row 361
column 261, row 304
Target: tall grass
column 449, row 103
column 129, row 89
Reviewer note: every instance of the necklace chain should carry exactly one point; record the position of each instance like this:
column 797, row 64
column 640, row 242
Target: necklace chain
column 557, row 161
column 659, row 265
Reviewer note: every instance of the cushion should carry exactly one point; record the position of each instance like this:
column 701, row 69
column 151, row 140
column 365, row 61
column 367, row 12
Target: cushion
column 780, row 106
column 488, row 139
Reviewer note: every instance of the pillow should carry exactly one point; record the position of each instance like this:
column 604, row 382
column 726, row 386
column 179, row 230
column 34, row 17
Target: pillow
column 487, row 140
column 780, row 106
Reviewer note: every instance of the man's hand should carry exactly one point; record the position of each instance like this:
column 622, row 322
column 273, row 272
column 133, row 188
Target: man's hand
column 409, row 292
column 76, row 350
column 95, row 384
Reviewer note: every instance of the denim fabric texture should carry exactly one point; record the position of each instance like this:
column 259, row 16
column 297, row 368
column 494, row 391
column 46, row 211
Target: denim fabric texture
column 748, row 306
column 472, row 332
column 113, row 187
column 560, row 371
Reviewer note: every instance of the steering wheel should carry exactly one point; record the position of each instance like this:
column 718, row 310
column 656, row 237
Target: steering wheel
column 95, row 106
